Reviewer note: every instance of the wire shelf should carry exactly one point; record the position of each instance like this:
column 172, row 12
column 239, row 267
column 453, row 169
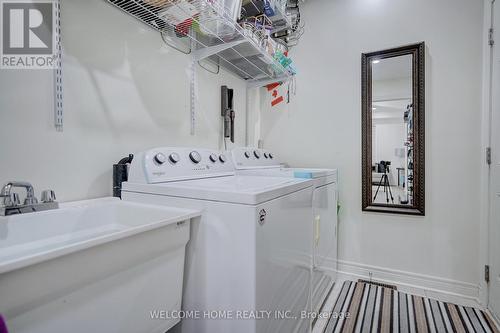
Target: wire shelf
column 209, row 30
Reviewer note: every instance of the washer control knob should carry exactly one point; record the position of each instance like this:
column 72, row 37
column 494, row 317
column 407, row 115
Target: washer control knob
column 222, row 158
column 213, row 158
column 247, row 154
column 266, row 155
column 160, row 158
column 195, row 157
column 174, row 158
column 256, row 153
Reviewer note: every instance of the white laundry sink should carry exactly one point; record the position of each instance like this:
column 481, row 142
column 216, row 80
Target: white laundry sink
column 31, row 238
column 81, row 263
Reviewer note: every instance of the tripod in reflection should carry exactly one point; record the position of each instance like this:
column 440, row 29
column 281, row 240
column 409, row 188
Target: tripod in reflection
column 385, row 182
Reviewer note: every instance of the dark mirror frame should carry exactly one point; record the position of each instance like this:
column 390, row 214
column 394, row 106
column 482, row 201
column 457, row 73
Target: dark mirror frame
column 418, row 79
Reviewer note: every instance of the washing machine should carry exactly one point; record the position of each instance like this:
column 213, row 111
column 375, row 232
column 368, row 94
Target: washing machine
column 251, row 161
column 249, row 258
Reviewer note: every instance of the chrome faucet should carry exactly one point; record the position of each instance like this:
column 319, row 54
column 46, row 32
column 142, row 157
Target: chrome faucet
column 11, row 205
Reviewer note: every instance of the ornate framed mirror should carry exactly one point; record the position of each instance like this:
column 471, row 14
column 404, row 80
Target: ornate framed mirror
column 393, row 130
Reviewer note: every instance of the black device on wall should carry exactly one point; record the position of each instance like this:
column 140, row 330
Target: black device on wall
column 120, row 174
column 227, row 112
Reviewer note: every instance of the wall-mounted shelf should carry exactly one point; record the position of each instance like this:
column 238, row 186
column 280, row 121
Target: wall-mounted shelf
column 210, row 32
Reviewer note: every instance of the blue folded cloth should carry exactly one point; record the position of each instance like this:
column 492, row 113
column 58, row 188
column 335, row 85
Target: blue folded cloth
column 3, row 325
column 302, row 174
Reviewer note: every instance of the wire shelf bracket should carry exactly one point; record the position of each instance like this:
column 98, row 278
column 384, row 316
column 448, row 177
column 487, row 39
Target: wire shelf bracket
column 58, row 76
column 264, row 82
column 204, row 53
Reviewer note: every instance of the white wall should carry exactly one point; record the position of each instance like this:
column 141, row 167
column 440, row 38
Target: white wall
column 124, row 91
column 384, row 90
column 388, row 138
column 322, row 127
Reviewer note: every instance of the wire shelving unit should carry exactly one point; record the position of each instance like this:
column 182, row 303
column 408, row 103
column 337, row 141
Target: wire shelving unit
column 209, row 31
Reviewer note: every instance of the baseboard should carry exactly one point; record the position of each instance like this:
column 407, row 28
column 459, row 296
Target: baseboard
column 446, row 290
column 483, row 294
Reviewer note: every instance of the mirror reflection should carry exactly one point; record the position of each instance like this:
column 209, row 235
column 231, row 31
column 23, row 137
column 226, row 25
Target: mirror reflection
column 392, row 131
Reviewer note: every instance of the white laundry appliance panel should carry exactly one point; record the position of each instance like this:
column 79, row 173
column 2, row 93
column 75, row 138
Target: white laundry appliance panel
column 235, row 262
column 251, row 250
column 249, row 190
column 259, row 162
column 325, row 209
column 157, row 165
column 325, row 243
column 319, row 176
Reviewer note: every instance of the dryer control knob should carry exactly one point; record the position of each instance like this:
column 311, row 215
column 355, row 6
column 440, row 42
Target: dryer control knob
column 256, row 153
column 271, row 156
column 222, row 158
column 213, row 158
column 160, row 158
column 247, row 154
column 266, row 155
column 195, row 157
column 174, row 158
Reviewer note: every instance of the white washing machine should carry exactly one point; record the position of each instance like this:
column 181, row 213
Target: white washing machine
column 249, row 258
column 251, row 161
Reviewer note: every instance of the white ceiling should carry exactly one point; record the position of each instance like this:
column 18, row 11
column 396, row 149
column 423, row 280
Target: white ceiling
column 390, row 110
column 392, row 68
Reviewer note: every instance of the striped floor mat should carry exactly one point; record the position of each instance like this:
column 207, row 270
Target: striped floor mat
column 362, row 307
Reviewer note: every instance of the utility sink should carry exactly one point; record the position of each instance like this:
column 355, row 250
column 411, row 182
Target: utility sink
column 81, row 263
column 31, row 238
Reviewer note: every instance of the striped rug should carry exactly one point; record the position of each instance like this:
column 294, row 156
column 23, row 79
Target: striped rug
column 363, row 308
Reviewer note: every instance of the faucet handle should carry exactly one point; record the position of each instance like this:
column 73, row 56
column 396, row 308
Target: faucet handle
column 48, row 196
column 10, row 200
